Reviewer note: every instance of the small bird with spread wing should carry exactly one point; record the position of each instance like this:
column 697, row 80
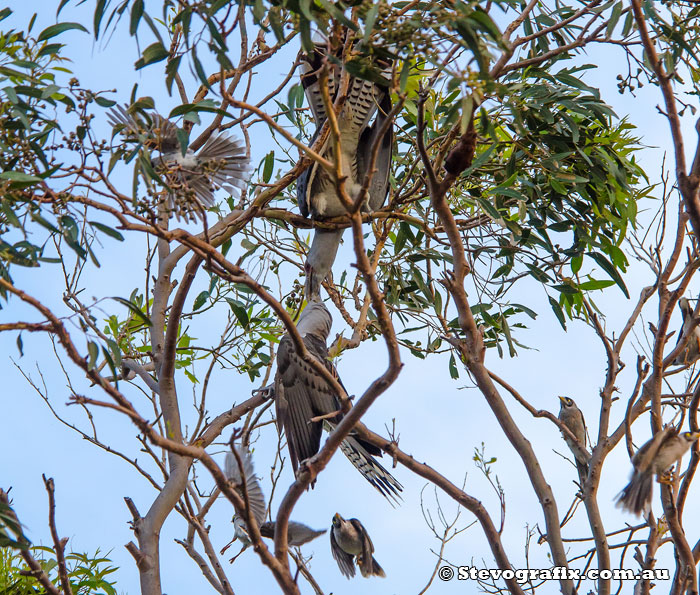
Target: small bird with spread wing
column 654, row 457
column 297, row 533
column 350, row 543
column 190, row 177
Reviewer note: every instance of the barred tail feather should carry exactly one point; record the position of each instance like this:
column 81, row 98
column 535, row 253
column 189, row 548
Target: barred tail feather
column 383, row 481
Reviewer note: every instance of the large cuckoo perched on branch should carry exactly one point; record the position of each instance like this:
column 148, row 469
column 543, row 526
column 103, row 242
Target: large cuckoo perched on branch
column 306, row 404
column 362, row 124
column 190, row 177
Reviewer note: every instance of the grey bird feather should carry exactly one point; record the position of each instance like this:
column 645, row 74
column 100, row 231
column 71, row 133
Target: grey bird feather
column 301, row 394
column 653, row 458
column 691, row 353
column 350, row 543
column 572, row 417
column 316, row 190
column 191, row 177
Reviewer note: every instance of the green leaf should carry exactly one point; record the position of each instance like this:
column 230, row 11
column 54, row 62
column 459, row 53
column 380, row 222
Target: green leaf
column 361, row 69
column 203, row 106
column 183, row 137
column 18, row 176
column 275, row 23
column 531, row 313
column 135, row 309
column 104, row 102
column 136, row 14
column 305, row 31
column 11, row 95
column 171, row 69
column 576, row 263
column 107, row 230
column 59, row 28
column 239, row 312
column 200, row 300
column 509, row 339
column 305, row 8
column 486, row 24
column 110, row 363
column 404, row 76
column 44, row 223
column 565, row 288
column 155, row 52
column 99, row 13
column 558, row 312
column 269, row 166
column 454, row 372
column 488, row 208
column 610, row 269
column 199, row 69
column 594, row 284
column 93, row 352
column 226, row 246
column 337, row 14
column 370, row 19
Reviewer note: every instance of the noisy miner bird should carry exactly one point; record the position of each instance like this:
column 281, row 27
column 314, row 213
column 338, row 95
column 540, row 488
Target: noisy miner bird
column 317, row 194
column 350, row 543
column 654, row 457
column 691, row 353
column 572, row 417
column 297, row 533
column 302, row 395
column 190, row 177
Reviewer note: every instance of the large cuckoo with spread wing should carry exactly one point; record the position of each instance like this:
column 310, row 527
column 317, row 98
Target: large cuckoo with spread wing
column 362, row 123
column 301, row 395
column 191, row 178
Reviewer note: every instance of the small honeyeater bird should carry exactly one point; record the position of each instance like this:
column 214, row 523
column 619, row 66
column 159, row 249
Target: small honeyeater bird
column 654, row 457
column 297, row 533
column 350, row 543
column 190, row 177
column 572, row 417
column 256, row 499
column 691, row 353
